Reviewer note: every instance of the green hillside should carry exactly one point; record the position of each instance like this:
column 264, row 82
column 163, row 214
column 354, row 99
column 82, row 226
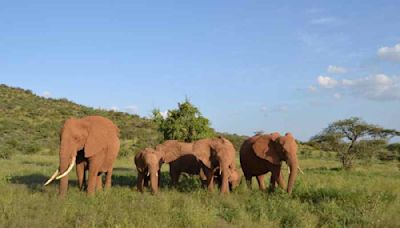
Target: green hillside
column 30, row 124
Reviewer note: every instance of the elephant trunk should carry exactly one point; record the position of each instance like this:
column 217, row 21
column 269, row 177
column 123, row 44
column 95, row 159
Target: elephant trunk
column 64, row 164
column 225, row 180
column 293, row 167
column 140, row 181
column 67, row 161
column 153, row 179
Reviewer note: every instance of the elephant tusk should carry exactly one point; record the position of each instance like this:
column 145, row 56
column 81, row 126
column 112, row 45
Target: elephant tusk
column 68, row 170
column 298, row 167
column 301, row 171
column 52, row 177
column 148, row 173
column 156, row 174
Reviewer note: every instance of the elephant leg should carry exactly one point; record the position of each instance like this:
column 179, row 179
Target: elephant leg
column 94, row 165
column 146, row 180
column 80, row 174
column 159, row 178
column 203, row 178
column 275, row 175
column 108, row 179
column 210, row 178
column 281, row 182
column 261, row 183
column 224, row 178
column 140, row 182
column 99, row 183
column 174, row 177
column 248, row 181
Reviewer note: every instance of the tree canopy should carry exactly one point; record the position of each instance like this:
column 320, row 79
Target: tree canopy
column 185, row 123
column 352, row 138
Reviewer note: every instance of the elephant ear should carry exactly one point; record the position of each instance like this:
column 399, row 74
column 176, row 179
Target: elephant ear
column 96, row 138
column 204, row 150
column 288, row 143
column 265, row 150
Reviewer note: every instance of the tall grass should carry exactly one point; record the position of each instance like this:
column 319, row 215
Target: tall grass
column 325, row 196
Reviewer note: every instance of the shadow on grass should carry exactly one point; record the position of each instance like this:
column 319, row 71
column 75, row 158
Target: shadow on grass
column 37, row 163
column 122, row 169
column 123, row 180
column 324, row 169
column 34, row 182
column 186, row 183
column 131, row 180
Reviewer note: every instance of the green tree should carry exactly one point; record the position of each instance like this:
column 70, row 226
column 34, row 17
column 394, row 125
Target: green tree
column 184, row 123
column 352, row 138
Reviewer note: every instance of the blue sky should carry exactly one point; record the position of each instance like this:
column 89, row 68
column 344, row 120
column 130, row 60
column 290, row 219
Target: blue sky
column 248, row 65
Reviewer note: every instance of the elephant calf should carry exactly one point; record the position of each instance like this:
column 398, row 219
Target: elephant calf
column 148, row 164
column 190, row 165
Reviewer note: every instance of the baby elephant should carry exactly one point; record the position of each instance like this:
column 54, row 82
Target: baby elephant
column 190, row 165
column 148, row 164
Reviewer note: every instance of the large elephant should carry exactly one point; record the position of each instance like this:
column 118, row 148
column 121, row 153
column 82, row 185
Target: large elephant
column 190, row 165
column 148, row 164
column 261, row 154
column 98, row 138
column 216, row 153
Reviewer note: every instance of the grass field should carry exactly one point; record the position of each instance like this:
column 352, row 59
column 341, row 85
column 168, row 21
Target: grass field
column 325, row 196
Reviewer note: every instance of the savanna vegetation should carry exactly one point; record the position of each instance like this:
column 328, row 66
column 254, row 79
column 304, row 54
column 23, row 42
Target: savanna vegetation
column 326, row 195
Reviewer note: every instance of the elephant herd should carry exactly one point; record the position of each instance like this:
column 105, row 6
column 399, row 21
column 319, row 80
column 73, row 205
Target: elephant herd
column 92, row 144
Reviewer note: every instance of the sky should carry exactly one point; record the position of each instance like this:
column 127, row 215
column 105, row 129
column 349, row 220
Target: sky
column 248, row 65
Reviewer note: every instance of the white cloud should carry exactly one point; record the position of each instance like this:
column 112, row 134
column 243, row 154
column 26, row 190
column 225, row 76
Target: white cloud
column 377, row 87
column 114, row 108
column 336, row 69
column 46, row 94
column 132, row 109
column 390, row 53
column 326, row 82
column 312, row 89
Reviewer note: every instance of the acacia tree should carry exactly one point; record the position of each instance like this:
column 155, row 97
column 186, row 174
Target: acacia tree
column 352, row 138
column 184, row 123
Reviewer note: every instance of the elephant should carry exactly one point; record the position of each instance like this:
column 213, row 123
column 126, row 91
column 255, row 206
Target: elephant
column 190, row 165
column 98, row 139
column 261, row 154
column 185, row 164
column 148, row 163
column 216, row 153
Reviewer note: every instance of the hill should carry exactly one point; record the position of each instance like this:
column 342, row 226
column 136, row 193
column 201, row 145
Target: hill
column 30, row 124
